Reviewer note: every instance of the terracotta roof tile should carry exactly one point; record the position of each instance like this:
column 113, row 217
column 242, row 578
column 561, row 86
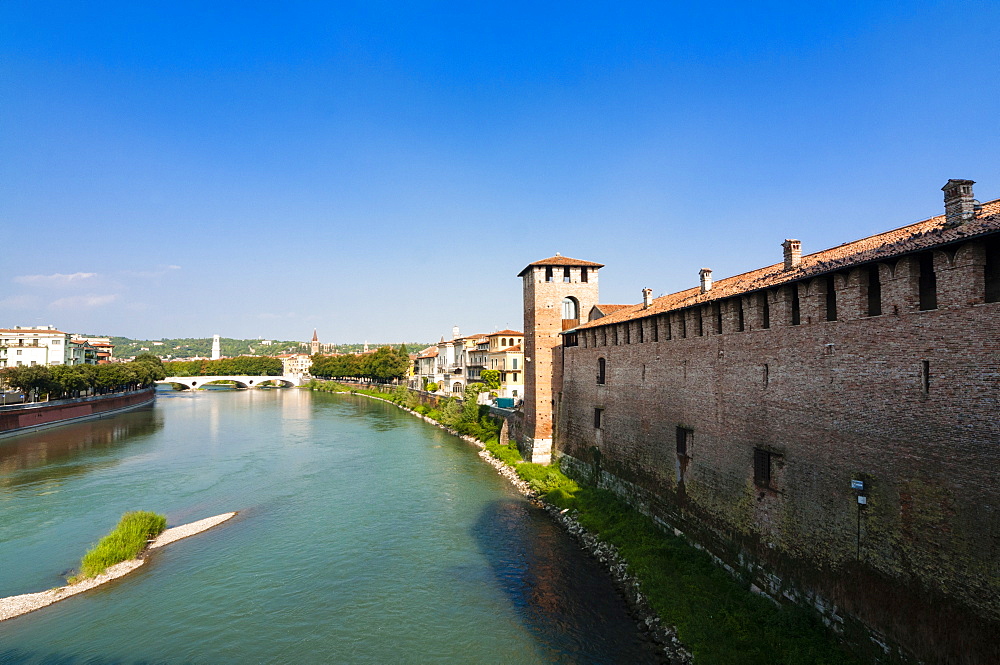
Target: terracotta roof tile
column 890, row 244
column 561, row 261
column 507, row 332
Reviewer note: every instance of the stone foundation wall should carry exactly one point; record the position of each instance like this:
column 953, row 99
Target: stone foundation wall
column 28, row 416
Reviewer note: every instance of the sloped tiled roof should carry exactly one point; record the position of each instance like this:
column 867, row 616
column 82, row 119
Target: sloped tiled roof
column 929, row 233
column 513, row 349
column 30, row 331
column 561, row 261
column 429, row 352
column 610, row 309
column 507, row 333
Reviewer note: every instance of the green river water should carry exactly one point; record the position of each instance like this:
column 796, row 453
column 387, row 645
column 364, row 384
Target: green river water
column 364, row 536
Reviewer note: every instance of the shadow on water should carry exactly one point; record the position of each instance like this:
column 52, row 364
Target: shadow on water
column 68, row 450
column 564, row 598
column 21, row 657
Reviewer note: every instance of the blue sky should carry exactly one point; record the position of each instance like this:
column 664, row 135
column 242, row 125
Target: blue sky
column 383, row 170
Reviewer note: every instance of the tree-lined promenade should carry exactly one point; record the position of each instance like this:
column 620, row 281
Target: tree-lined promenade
column 69, row 381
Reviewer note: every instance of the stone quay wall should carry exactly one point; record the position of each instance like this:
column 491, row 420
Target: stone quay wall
column 14, row 419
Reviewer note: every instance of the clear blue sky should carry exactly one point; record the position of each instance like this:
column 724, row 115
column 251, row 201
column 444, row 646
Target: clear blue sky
column 383, row 170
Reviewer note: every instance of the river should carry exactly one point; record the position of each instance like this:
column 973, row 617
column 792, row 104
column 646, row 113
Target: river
column 364, row 536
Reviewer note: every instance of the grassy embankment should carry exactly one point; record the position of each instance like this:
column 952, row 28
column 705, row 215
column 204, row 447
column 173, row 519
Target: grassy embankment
column 126, row 542
column 716, row 616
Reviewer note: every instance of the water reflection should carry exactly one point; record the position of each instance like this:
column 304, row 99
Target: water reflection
column 35, row 456
column 564, row 599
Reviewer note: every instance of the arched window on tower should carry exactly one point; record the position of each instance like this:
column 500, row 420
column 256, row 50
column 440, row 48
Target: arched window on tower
column 570, row 308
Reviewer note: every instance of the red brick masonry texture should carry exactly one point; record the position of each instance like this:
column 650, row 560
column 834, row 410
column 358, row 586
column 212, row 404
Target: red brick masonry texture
column 21, row 417
column 749, row 437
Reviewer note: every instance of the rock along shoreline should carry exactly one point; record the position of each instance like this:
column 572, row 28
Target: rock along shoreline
column 663, row 635
column 15, row 606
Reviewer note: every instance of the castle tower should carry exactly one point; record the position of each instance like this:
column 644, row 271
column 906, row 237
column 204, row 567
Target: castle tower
column 558, row 295
column 314, row 344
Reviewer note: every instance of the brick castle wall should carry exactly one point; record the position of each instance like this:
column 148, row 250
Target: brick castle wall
column 907, row 402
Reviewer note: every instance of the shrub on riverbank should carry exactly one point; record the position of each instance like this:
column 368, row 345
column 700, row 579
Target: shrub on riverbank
column 126, row 542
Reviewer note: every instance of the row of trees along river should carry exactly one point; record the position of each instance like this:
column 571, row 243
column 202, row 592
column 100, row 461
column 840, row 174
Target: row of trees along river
column 241, row 366
column 384, row 364
column 68, row 381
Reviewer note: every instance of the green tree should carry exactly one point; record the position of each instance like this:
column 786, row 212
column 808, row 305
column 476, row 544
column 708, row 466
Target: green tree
column 491, row 377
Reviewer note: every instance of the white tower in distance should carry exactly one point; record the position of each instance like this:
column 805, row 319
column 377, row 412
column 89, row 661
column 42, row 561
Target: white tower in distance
column 216, row 348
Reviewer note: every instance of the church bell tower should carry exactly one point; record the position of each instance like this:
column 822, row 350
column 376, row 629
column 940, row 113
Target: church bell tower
column 558, row 294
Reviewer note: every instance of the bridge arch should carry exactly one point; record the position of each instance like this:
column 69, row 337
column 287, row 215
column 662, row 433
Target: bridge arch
column 195, row 382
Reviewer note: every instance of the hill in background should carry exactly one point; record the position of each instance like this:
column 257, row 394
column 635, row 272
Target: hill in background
column 180, row 348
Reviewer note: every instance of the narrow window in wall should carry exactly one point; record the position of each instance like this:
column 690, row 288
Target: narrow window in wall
column 601, row 371
column 993, row 270
column 717, row 316
column 682, row 320
column 762, row 467
column 740, row 321
column 548, row 273
column 598, row 413
column 627, row 327
column 925, row 376
column 767, row 374
column 655, row 329
column 874, row 291
column 796, row 311
column 927, row 282
column 831, row 299
column 583, row 275
column 685, row 437
column 765, row 311
column 669, row 329
column 641, row 328
column 566, row 275
column 515, row 363
column 699, row 315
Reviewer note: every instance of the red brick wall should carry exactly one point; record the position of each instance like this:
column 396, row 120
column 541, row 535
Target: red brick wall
column 842, row 400
column 49, row 413
column 543, row 341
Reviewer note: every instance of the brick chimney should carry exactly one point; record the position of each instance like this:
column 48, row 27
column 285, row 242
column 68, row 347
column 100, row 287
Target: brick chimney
column 647, row 298
column 706, row 279
column 959, row 206
column 793, row 253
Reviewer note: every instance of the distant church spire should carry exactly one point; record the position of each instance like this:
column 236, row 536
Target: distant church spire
column 314, row 345
column 216, row 348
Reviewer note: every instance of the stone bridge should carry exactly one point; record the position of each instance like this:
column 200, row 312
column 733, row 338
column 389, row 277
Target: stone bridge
column 192, row 382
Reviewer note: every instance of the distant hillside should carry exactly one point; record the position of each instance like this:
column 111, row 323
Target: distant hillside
column 176, row 349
